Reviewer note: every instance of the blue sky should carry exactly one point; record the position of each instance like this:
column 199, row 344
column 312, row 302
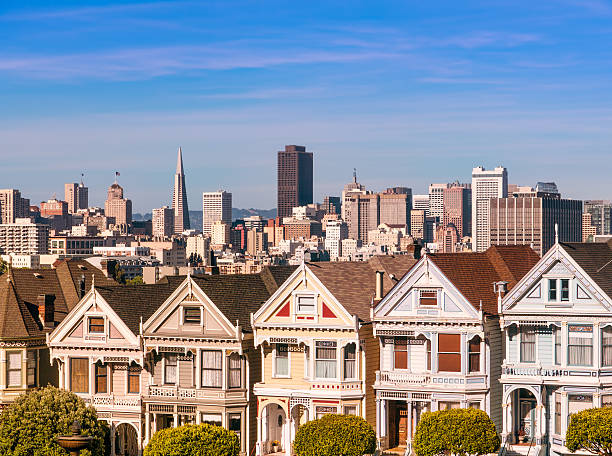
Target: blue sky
column 407, row 92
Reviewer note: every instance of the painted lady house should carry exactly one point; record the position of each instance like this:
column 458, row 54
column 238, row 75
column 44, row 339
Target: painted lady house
column 557, row 324
column 32, row 303
column 177, row 352
column 440, row 339
column 318, row 353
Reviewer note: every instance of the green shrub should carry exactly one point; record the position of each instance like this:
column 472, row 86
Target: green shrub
column 30, row 425
column 190, row 440
column 335, row 435
column 458, row 431
column 590, row 430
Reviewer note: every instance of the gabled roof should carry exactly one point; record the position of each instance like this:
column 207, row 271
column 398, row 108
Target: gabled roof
column 595, row 258
column 133, row 302
column 474, row 273
column 19, row 318
column 353, row 284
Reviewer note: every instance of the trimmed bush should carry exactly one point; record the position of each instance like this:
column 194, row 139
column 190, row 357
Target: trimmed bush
column 590, row 430
column 459, row 432
column 193, row 440
column 335, row 435
column 30, row 425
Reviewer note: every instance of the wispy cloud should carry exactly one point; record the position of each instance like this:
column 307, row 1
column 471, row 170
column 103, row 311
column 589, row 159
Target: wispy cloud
column 487, row 38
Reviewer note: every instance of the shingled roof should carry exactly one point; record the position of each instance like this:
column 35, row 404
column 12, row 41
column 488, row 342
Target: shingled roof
column 20, row 289
column 595, row 258
column 353, row 284
column 474, row 273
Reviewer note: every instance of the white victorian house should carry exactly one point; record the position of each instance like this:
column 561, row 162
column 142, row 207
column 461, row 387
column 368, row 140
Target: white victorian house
column 440, row 340
column 557, row 324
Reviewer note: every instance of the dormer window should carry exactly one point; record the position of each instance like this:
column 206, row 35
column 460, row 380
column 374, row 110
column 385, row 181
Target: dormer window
column 305, row 304
column 558, row 290
column 428, row 298
column 564, row 289
column 96, row 325
column 192, row 315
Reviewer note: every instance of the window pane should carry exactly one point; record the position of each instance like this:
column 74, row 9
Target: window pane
column 400, row 353
column 528, row 345
column 192, row 315
column 449, row 362
column 558, row 417
column 449, row 343
column 32, row 358
column 557, row 335
column 134, row 380
column 449, row 352
column 101, row 379
column 564, row 290
column 349, row 361
column 325, row 359
column 170, row 371
column 282, row 360
column 606, row 346
column 96, row 325
column 14, row 369
column 235, row 424
column 428, row 298
column 580, row 345
column 306, row 304
column 212, row 370
column 79, row 377
column 234, row 371
column 552, row 289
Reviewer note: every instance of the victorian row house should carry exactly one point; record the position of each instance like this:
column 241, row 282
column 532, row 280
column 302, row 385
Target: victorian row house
column 557, row 324
column 318, row 351
column 177, row 352
column 440, row 339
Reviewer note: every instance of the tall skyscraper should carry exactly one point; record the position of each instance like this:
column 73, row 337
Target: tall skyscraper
column 395, row 208
column 163, row 222
column 216, row 206
column 77, row 196
column 421, row 202
column 179, row 197
column 436, row 200
column 118, row 207
column 458, row 209
column 13, row 206
column 351, row 189
column 485, row 185
column 532, row 220
column 294, row 174
column 601, row 215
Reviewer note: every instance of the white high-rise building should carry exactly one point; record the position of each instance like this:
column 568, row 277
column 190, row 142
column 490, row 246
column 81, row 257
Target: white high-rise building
column 24, row 237
column 163, row 221
column 436, row 200
column 216, row 206
column 335, row 233
column 485, row 185
column 421, row 203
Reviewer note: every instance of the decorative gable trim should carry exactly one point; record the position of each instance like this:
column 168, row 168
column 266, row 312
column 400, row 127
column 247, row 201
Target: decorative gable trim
column 285, row 310
column 327, row 312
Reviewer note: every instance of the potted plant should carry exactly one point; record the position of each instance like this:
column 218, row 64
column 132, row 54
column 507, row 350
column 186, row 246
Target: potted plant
column 522, row 437
column 275, row 446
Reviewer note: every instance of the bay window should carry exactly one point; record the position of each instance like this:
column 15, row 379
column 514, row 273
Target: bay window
column 170, row 368
column 449, row 352
column 580, row 345
column 606, row 346
column 577, row 403
column 558, row 415
column 101, row 377
column 212, row 369
column 32, row 367
column 528, row 345
column 325, row 359
column 400, row 353
column 133, row 386
column 557, row 338
column 281, row 360
column 474, row 355
column 350, row 356
column 235, row 372
column 13, row 369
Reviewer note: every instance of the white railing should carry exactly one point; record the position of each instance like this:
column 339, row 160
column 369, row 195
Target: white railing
column 402, row 377
column 538, row 371
column 103, row 400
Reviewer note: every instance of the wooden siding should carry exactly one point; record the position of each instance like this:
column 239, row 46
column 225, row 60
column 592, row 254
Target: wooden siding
column 544, row 343
column 185, row 368
column 253, row 359
column 118, row 379
column 372, row 361
column 496, row 352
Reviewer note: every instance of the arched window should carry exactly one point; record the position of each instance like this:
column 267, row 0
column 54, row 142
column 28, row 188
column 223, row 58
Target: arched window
column 474, row 355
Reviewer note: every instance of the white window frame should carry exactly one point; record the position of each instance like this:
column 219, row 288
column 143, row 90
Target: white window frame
column 296, row 302
column 176, row 380
column 438, row 297
column 337, row 377
column 103, row 333
column 593, row 342
column 8, row 369
column 536, row 346
column 274, row 355
column 192, row 306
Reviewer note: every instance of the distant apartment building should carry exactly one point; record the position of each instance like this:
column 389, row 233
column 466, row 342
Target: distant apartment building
column 362, row 214
column 421, row 202
column 486, row 184
column 531, row 221
column 350, row 248
column 601, row 214
column 216, row 206
column 457, row 209
column 13, row 206
column 422, row 226
column 121, row 250
column 386, row 235
column 447, row 238
column 198, row 246
column 179, row 197
column 436, row 200
column 220, row 233
column 254, row 222
column 301, row 229
column 350, row 189
column 74, row 246
column 332, row 205
column 23, row 237
column 53, row 207
column 335, row 233
column 117, row 206
column 395, row 206
column 76, row 196
column 294, row 179
column 257, row 242
column 163, row 222
column 589, row 231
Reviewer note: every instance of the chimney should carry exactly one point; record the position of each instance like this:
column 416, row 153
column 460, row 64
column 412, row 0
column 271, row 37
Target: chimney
column 82, row 286
column 46, row 309
column 379, row 285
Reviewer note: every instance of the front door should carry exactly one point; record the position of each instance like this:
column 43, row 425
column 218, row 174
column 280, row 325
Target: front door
column 527, row 424
column 403, row 426
column 398, row 423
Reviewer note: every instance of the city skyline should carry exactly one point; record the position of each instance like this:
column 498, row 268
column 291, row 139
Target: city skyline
column 521, row 85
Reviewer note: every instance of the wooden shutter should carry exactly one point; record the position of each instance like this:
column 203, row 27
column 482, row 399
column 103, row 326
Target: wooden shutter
column 449, row 352
column 79, row 378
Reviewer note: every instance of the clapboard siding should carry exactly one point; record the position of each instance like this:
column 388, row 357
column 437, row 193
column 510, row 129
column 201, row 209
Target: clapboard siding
column 513, row 344
column 495, row 348
column 372, row 361
column 545, row 355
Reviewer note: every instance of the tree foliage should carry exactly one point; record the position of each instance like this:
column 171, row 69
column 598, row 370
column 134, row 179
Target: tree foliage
column 3, row 266
column 335, row 435
column 30, row 425
column 590, row 430
column 190, row 440
column 135, row 281
column 457, row 431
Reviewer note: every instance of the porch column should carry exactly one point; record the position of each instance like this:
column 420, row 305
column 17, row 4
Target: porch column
column 287, row 443
column 596, row 345
column 258, row 443
column 483, row 356
column 92, row 377
column 113, row 438
column 384, row 419
column 147, row 427
column 434, row 353
column 66, row 372
column 564, row 412
column 504, row 434
column 509, row 420
column 378, row 419
column 539, row 427
column 198, row 375
column 61, row 374
column 198, row 417
column 410, row 421
column 176, row 417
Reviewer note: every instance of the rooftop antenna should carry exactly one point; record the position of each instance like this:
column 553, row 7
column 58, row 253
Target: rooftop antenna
column 82, row 175
column 355, row 175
